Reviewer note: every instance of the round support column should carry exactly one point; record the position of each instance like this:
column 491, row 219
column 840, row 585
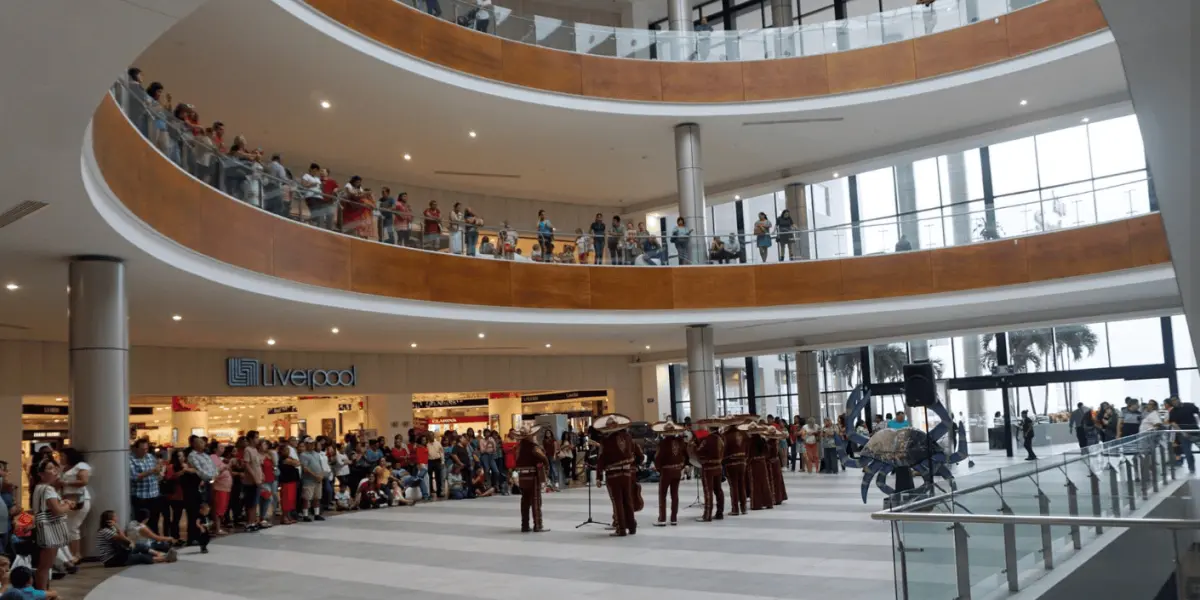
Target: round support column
column 702, row 381
column 99, row 383
column 692, row 206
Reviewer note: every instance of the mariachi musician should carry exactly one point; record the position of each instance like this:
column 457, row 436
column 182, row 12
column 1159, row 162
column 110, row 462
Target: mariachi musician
column 670, row 460
column 618, row 460
column 761, row 495
column 532, row 464
column 737, row 443
column 710, row 450
column 775, row 465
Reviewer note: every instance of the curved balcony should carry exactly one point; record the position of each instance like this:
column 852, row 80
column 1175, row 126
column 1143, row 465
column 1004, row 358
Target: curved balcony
column 858, row 54
column 183, row 209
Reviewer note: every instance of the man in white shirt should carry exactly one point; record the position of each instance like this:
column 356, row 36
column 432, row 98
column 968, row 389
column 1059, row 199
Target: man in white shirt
column 321, row 210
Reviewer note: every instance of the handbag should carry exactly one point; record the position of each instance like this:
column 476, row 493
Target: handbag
column 50, row 530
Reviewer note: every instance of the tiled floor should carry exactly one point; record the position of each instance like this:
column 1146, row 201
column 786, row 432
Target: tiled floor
column 820, row 543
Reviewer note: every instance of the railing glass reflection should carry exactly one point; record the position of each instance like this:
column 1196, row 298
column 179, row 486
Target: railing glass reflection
column 715, row 45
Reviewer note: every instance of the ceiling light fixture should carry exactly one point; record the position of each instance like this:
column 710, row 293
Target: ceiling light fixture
column 737, row 197
column 335, row 330
column 325, row 104
column 471, row 133
column 547, row 345
column 176, row 318
column 647, row 346
column 12, row 287
column 270, row 341
column 407, row 156
column 835, row 174
column 413, row 345
column 58, row 399
column 1024, row 102
column 1084, row 120
column 482, row 335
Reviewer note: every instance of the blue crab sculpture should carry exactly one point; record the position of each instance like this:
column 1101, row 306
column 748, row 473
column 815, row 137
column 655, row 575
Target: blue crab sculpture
column 889, row 449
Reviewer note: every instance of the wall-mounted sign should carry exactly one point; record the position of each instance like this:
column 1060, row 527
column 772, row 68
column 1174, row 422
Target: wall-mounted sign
column 30, row 435
column 454, row 420
column 345, row 406
column 282, row 410
column 44, row 409
column 564, row 396
column 249, row 372
column 450, row 403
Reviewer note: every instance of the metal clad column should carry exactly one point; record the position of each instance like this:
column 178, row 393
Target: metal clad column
column 808, row 385
column 99, row 384
column 679, row 15
column 690, row 171
column 781, row 16
column 702, row 381
column 797, row 204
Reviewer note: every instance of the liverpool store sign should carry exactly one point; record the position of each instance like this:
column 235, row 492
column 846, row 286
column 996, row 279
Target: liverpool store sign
column 249, row 372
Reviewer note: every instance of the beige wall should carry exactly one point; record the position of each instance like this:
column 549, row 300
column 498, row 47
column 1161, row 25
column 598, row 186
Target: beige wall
column 389, row 380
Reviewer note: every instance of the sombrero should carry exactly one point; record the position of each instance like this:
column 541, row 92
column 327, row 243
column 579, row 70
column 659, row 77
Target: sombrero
column 735, row 420
column 711, row 423
column 668, row 427
column 611, row 423
column 527, row 430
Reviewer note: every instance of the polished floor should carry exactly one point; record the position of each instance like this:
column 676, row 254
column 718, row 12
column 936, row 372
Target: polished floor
column 822, row 542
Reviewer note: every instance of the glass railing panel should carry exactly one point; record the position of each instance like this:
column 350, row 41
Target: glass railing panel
column 921, row 552
column 633, row 43
column 596, row 40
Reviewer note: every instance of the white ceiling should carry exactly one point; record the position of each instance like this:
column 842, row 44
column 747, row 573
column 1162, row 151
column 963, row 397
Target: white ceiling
column 264, row 72
column 65, row 55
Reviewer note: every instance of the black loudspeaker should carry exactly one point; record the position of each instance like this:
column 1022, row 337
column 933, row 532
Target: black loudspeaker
column 919, row 387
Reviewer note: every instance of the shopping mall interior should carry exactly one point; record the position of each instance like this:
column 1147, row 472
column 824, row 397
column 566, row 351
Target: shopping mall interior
column 939, row 251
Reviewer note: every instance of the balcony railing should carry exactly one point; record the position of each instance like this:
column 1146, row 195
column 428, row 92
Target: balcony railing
column 715, row 45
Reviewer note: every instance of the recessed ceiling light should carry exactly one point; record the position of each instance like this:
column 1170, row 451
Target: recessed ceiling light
column 58, row 399
column 547, row 345
column 471, row 133
column 737, row 197
column 335, row 330
column 12, row 287
column 407, row 157
column 414, row 344
column 482, row 335
column 270, row 341
column 835, row 174
column 647, row 346
column 1024, row 102
column 325, row 104
column 1084, row 120
column 176, row 318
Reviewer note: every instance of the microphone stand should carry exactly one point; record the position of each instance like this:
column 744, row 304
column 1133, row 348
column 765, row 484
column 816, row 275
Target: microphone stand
column 699, row 501
column 588, row 470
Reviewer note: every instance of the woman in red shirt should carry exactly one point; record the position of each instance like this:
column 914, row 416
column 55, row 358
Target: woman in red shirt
column 269, row 489
column 174, row 492
column 357, row 207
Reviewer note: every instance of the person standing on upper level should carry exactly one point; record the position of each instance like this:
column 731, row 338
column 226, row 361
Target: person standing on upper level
column 432, row 230
column 597, row 231
column 616, row 236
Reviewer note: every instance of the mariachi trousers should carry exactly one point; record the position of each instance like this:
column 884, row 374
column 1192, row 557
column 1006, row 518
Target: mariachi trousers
column 620, row 490
column 668, row 482
column 738, row 486
column 775, row 470
column 710, row 478
column 531, row 499
column 761, row 495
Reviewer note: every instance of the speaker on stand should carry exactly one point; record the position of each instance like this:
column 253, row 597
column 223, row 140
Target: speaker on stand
column 920, row 391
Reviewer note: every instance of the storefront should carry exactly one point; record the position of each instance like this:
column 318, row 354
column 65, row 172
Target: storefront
column 507, row 410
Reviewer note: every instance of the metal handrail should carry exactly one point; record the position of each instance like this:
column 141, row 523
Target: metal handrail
column 1063, row 521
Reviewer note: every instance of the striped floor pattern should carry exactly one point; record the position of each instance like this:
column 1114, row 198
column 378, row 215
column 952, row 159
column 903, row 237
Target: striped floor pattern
column 820, row 543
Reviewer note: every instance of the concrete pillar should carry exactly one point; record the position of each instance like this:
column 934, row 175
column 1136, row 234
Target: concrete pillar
column 679, row 15
column 507, row 407
column 906, row 204
column 389, row 414
column 10, row 439
column 689, row 168
column 702, row 381
column 651, row 398
column 183, row 422
column 961, row 224
column 781, row 13
column 98, row 344
column 797, row 204
column 781, row 16
column 808, row 385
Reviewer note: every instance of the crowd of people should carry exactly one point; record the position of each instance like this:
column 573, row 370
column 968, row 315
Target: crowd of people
column 316, row 197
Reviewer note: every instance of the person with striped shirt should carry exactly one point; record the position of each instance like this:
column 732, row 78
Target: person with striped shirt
column 116, row 550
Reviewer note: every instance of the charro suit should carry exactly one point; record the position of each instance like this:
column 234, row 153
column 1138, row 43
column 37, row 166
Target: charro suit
column 711, row 450
column 532, row 465
column 775, row 473
column 736, row 445
column 617, row 459
column 670, row 460
column 761, row 495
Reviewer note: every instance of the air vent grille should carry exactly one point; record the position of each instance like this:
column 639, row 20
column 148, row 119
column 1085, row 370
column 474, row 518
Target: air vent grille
column 466, row 174
column 20, row 211
column 794, row 121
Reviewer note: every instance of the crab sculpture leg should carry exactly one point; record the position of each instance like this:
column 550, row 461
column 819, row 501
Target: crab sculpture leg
column 877, row 470
column 858, row 400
